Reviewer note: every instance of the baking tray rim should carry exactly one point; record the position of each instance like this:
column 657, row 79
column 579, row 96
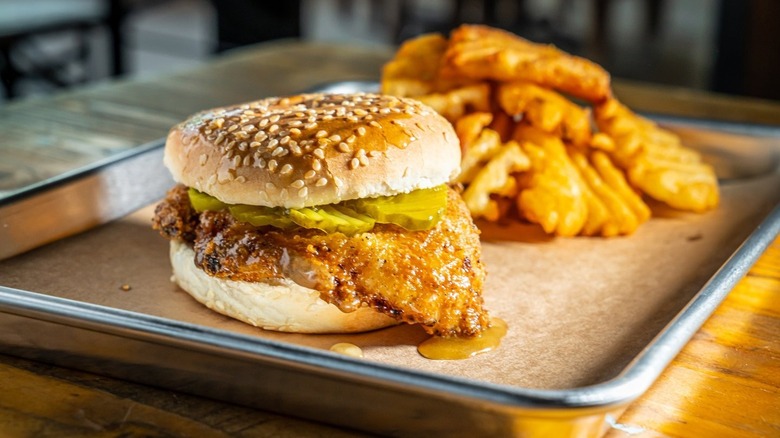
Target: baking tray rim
column 632, row 382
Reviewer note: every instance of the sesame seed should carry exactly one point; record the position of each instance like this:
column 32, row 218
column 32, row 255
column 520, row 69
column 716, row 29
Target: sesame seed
column 299, row 115
column 363, row 160
column 374, row 154
column 287, row 168
column 275, row 118
column 316, row 165
column 322, row 141
column 295, row 123
column 361, row 112
column 278, row 151
column 285, row 140
column 354, row 163
column 375, row 124
column 272, row 143
column 295, row 131
column 319, row 153
column 321, row 182
column 261, row 136
column 361, row 130
column 297, row 184
column 236, row 161
column 273, row 128
column 311, row 125
column 260, row 163
column 242, row 146
column 232, row 128
column 255, row 144
column 272, row 164
column 351, row 139
column 353, row 119
column 369, row 117
column 337, row 181
column 321, row 133
column 295, row 149
column 303, row 192
column 335, row 138
column 309, row 174
column 343, row 147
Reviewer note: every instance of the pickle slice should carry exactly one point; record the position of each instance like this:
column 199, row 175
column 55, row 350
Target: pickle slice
column 417, row 210
column 202, row 202
column 261, row 216
column 354, row 222
column 331, row 219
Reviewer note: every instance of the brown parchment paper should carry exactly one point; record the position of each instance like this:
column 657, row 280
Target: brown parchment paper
column 578, row 309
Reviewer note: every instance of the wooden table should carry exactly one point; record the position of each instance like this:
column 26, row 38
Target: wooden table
column 726, row 382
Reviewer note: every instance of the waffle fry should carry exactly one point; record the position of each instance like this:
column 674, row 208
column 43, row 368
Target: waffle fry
column 456, row 103
column 415, row 67
column 480, row 52
column 624, row 210
column 555, row 194
column 547, row 110
column 495, row 178
column 656, row 161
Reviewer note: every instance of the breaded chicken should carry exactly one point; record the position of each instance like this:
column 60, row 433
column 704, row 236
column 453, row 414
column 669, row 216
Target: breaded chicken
column 433, row 277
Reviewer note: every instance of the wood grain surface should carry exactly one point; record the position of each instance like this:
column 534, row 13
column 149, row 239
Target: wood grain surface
column 726, row 382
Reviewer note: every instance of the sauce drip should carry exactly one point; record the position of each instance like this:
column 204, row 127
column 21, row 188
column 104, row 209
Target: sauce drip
column 347, row 349
column 437, row 348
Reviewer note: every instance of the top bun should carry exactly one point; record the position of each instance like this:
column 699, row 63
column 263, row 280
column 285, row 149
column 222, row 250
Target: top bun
column 313, row 149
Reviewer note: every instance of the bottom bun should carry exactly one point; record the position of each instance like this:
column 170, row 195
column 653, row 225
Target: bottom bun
column 285, row 307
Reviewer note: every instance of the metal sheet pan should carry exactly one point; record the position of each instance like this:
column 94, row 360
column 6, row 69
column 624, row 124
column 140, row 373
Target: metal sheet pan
column 316, row 384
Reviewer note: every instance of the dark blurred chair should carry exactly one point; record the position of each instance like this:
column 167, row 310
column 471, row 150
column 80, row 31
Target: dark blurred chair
column 22, row 56
column 243, row 22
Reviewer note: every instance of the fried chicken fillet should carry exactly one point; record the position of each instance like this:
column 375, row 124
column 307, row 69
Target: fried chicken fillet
column 432, row 277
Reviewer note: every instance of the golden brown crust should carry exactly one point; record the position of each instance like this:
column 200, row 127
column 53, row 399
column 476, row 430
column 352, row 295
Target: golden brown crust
column 313, row 149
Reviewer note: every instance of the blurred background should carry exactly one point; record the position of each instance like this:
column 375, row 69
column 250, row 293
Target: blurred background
column 727, row 46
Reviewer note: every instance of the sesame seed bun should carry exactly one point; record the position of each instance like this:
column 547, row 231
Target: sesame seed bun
column 313, row 149
column 284, row 306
